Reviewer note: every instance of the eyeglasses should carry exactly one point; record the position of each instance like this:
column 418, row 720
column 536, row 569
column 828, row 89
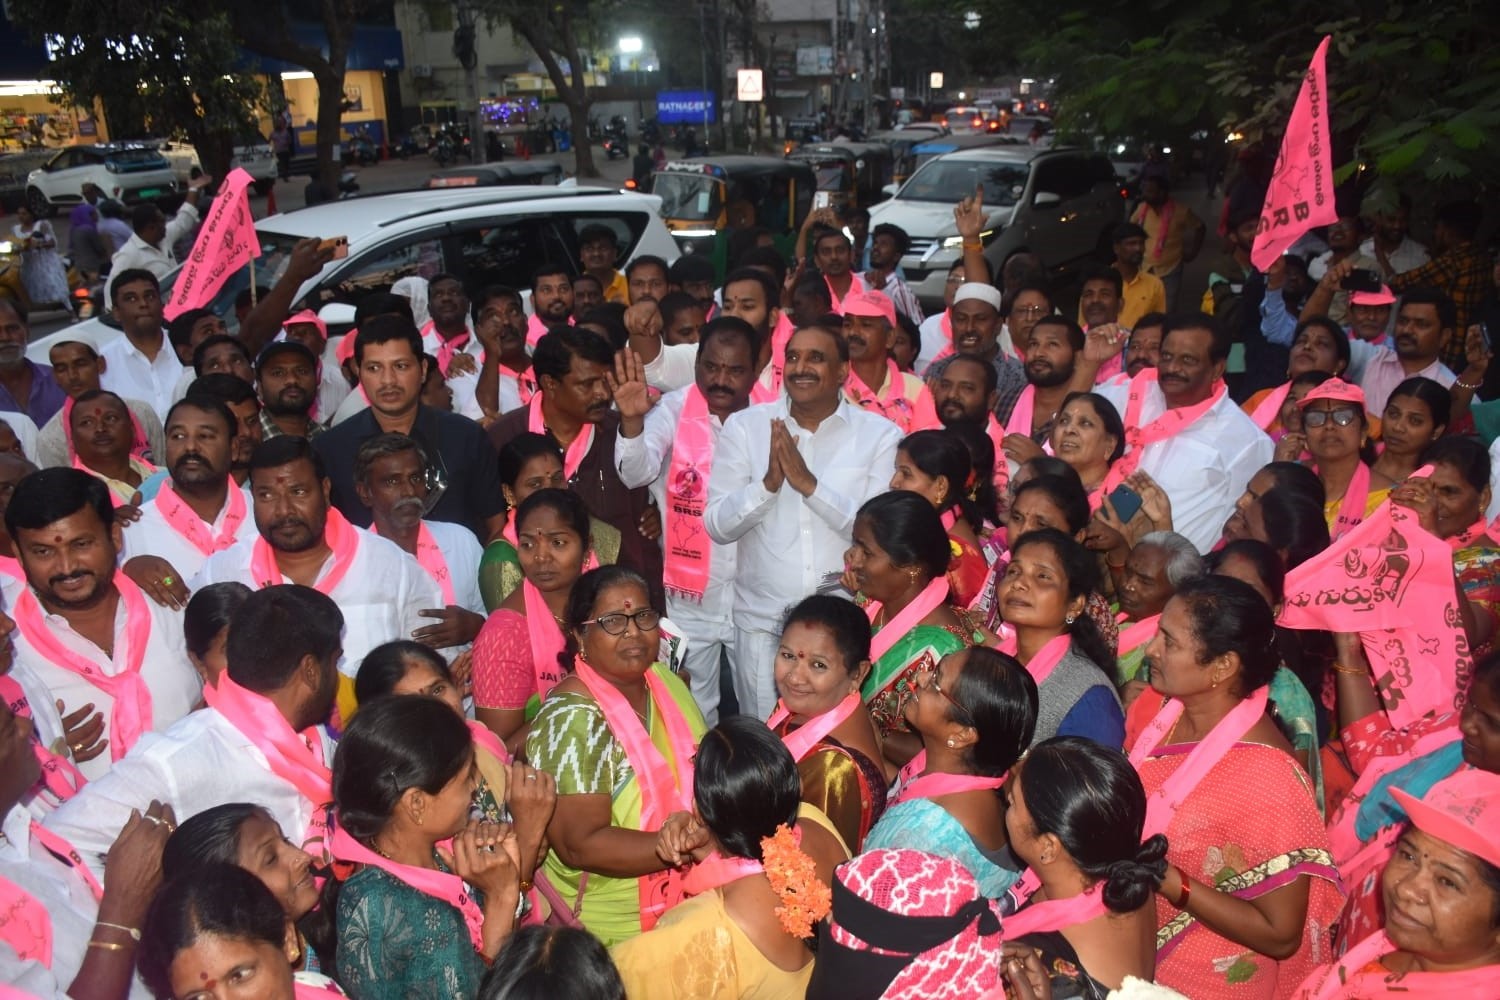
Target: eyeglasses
column 932, row 685
column 645, row 620
column 1029, row 310
column 1343, row 417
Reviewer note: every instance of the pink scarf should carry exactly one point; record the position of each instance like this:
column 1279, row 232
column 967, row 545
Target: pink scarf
column 525, row 382
column 546, row 639
column 186, row 523
column 1342, row 835
column 25, row 924
column 891, row 403
column 429, row 556
column 916, row 785
column 130, row 717
column 1162, row 804
column 446, row 347
column 429, row 881
column 1022, row 415
column 576, row 452
column 1164, row 227
column 666, row 787
column 140, row 445
column 689, row 550
column 996, row 434
column 1466, row 537
column 1138, row 633
column 60, row 777
column 1269, row 409
column 341, row 537
column 1352, row 506
column 1055, row 914
column 486, row 740
column 930, row 599
column 1172, row 422
column 296, row 758
column 1046, row 659
column 1346, row 980
column 536, row 329
column 804, row 738
column 835, row 300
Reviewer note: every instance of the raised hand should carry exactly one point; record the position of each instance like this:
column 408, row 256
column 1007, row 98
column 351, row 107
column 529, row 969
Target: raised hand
column 968, row 215
column 628, row 383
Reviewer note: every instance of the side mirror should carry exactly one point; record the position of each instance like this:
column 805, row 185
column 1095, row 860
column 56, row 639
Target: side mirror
column 1046, row 199
column 890, row 190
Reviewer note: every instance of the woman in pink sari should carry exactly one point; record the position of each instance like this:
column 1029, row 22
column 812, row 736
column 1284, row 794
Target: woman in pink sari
column 1247, row 905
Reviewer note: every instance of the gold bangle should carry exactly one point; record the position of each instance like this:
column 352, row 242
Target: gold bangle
column 525, row 886
column 1358, row 671
column 973, row 244
column 108, row 945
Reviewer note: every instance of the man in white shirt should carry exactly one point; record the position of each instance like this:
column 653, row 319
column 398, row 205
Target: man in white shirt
column 141, row 364
column 1205, row 460
column 390, row 477
column 282, row 646
column 788, row 478
column 750, row 293
column 83, row 628
column 150, row 245
column 79, row 369
column 448, row 337
column 300, row 538
column 195, row 513
column 1390, row 243
column 670, row 447
column 506, row 381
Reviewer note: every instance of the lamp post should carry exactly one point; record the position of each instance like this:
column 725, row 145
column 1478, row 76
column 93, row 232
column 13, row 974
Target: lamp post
column 632, row 45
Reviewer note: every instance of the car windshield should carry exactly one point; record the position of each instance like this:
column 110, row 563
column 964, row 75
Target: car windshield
column 688, row 197
column 951, row 181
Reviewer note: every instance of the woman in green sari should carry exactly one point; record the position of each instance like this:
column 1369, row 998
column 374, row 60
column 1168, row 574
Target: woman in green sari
column 898, row 564
column 618, row 734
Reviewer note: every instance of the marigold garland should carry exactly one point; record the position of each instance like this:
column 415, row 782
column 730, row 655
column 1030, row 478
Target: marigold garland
column 805, row 899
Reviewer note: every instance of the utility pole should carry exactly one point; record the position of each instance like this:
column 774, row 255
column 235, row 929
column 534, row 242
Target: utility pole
column 468, row 58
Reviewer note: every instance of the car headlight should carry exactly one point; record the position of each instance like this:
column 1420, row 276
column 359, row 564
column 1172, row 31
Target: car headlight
column 949, row 242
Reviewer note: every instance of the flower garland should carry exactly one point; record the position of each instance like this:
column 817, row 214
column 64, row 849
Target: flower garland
column 805, row 899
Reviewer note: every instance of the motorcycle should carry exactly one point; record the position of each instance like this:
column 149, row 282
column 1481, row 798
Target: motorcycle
column 615, row 148
column 361, row 150
column 443, row 150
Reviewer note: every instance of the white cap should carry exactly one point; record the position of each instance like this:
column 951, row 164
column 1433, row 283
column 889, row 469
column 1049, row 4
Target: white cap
column 978, row 290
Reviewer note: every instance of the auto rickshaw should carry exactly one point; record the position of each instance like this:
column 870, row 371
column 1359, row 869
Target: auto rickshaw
column 705, row 200
column 12, row 289
column 850, row 175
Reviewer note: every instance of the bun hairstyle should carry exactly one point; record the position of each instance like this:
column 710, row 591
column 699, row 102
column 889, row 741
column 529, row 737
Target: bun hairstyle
column 745, row 785
column 1229, row 616
column 944, row 453
column 1091, row 798
column 999, row 699
column 909, row 529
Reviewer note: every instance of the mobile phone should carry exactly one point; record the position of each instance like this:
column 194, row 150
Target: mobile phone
column 1361, row 279
column 822, row 199
column 1126, row 502
column 339, row 245
column 1484, row 335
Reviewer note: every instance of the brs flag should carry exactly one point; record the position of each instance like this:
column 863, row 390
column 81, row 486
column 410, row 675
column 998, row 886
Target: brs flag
column 226, row 243
column 1390, row 580
column 1301, row 192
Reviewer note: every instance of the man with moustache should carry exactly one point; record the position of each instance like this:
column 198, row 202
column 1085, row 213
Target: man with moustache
column 196, row 512
column 788, row 478
column 965, row 394
column 551, row 301
column 749, row 293
column 25, row 387
column 301, row 538
column 1426, row 323
column 113, row 657
column 307, row 329
column 449, row 338
column 1140, row 291
column 874, row 382
column 141, row 364
column 78, row 369
column 670, row 448
column 572, row 406
column 975, row 316
column 506, row 381
column 390, row 478
column 1051, row 375
column 286, row 378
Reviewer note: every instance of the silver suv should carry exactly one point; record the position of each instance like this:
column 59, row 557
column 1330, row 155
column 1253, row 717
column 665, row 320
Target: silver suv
column 1061, row 204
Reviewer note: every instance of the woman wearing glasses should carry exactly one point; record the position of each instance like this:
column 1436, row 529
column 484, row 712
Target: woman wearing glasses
column 975, row 712
column 1337, row 434
column 618, row 734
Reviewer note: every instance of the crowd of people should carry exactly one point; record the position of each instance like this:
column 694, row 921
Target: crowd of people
column 653, row 635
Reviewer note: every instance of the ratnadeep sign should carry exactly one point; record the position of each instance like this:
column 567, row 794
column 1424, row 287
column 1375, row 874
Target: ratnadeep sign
column 684, row 107
column 750, row 87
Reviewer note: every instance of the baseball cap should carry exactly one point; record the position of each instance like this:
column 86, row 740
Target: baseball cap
column 870, row 303
column 1384, row 297
column 306, row 316
column 1462, row 810
column 1335, row 389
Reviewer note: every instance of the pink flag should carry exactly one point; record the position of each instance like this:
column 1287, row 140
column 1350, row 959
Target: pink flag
column 1301, row 192
column 226, row 243
column 1390, row 580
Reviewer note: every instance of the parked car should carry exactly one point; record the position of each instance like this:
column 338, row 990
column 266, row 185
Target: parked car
column 14, row 169
column 1062, row 204
column 252, row 152
column 486, row 235
column 511, row 172
column 127, row 172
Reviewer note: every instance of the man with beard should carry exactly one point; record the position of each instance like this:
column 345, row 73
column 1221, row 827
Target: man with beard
column 196, row 512
column 506, row 381
column 1144, row 346
column 964, row 394
column 141, row 364
column 975, row 316
column 1141, row 292
column 647, row 276
column 1181, row 426
column 572, row 406
column 874, row 382
column 588, row 295
column 551, row 301
column 77, row 367
column 25, row 387
column 888, row 244
column 670, row 448
column 239, row 397
column 1390, row 241
column 307, row 329
column 1426, row 322
column 114, row 658
column 449, row 338
column 300, row 538
column 287, row 381
column 788, row 478
column 462, row 469
column 1051, row 374
column 390, row 478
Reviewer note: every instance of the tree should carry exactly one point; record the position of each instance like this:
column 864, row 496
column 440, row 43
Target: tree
column 163, row 74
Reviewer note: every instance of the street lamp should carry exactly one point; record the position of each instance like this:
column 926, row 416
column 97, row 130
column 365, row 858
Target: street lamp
column 632, row 45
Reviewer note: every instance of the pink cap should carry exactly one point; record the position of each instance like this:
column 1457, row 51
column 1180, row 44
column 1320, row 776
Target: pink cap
column 1336, row 389
column 345, row 350
column 1462, row 810
column 870, row 304
column 307, row 316
column 1384, row 297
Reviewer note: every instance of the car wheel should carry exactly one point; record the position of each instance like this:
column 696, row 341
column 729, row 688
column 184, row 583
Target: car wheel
column 264, row 187
column 39, row 205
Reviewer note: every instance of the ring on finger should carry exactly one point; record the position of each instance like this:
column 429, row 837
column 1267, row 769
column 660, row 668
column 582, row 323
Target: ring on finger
column 167, row 581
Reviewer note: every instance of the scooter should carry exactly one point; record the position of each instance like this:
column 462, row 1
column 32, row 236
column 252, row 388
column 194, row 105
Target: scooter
column 615, row 149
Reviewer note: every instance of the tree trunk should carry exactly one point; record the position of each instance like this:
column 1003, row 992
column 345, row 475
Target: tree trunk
column 583, row 149
column 330, row 114
column 215, row 153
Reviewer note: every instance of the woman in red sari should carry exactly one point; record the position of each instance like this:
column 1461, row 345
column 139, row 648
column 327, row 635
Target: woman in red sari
column 1247, row 905
column 935, row 464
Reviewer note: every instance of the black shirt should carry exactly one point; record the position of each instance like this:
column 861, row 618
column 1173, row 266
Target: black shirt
column 465, row 460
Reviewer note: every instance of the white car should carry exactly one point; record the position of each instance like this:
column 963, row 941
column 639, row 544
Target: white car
column 484, row 235
column 252, row 152
column 127, row 172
